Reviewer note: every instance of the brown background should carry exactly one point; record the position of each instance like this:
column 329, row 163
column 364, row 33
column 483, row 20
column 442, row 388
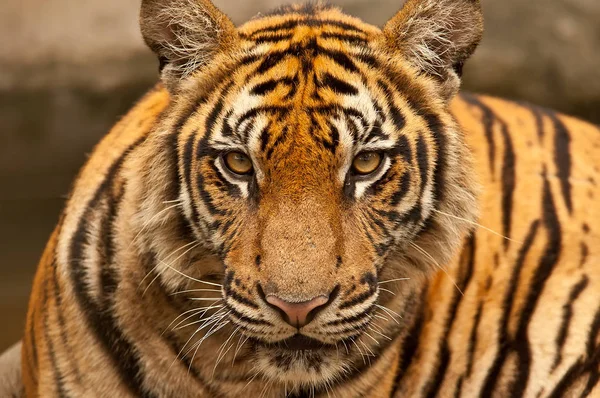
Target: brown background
column 68, row 69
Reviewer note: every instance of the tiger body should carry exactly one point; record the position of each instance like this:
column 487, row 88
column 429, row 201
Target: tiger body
column 155, row 225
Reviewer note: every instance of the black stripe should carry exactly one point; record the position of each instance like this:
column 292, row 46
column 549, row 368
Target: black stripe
column 542, row 273
column 247, row 319
column 278, row 141
column 122, row 353
column 339, row 57
column 422, row 161
column 108, row 277
column 337, row 85
column 561, row 338
column 323, row 23
column 432, row 387
column 203, row 150
column 473, row 340
column 345, row 36
column 397, row 117
column 508, row 163
column 62, row 324
column 487, row 119
column 508, row 183
column 58, row 377
column 493, row 374
column 439, row 174
column 361, row 298
column 270, row 38
column 584, row 254
column 411, row 340
column 562, row 158
column 265, row 87
column 33, row 360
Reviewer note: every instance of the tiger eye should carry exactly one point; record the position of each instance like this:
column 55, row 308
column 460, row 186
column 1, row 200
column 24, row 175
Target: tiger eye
column 366, row 162
column 238, row 163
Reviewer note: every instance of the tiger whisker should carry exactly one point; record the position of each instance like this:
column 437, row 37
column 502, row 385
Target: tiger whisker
column 381, row 317
column 251, row 380
column 389, row 312
column 221, row 355
column 369, row 353
column 169, row 265
column 195, row 310
column 393, row 280
column 173, row 201
column 183, row 348
column 212, row 322
column 238, row 348
column 387, row 291
column 381, row 334
column 147, row 223
column 346, row 347
column 208, row 334
column 372, row 338
column 425, row 253
column 156, row 266
column 187, row 276
column 477, row 224
column 360, row 351
column 195, row 290
column 177, row 327
column 205, row 298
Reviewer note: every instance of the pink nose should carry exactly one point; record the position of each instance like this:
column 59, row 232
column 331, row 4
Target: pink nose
column 298, row 314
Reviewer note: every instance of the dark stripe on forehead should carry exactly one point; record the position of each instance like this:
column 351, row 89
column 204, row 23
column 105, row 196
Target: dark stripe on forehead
column 269, row 110
column 270, row 85
column 337, row 85
column 397, row 116
column 294, row 23
column 346, row 36
column 269, row 37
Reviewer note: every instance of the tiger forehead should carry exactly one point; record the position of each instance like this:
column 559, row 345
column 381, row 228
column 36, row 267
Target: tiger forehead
column 306, row 19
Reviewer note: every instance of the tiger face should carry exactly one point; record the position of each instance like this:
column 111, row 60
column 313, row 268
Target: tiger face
column 316, row 160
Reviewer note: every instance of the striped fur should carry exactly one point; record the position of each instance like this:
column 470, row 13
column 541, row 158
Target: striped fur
column 153, row 283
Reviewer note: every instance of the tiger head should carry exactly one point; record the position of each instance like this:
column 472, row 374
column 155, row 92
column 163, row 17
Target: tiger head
column 317, row 165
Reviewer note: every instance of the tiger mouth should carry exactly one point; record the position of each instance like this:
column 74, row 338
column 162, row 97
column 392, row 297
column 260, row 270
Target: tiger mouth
column 298, row 342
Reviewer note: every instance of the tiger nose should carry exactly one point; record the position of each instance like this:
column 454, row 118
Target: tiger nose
column 298, row 314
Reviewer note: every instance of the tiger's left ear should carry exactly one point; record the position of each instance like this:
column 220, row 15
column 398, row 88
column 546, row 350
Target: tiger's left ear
column 436, row 36
column 185, row 34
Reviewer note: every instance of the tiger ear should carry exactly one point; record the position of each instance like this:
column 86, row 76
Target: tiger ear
column 185, row 35
column 436, row 36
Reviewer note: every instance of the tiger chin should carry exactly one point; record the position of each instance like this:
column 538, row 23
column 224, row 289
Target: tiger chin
column 295, row 209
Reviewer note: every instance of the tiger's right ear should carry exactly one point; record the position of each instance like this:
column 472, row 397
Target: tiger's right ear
column 185, row 34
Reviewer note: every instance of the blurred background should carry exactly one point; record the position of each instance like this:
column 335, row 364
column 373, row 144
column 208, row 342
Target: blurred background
column 70, row 68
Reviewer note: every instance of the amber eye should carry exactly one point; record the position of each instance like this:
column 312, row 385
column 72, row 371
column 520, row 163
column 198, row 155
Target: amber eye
column 366, row 162
column 238, row 163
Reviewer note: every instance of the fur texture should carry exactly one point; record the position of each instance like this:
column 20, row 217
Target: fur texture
column 465, row 264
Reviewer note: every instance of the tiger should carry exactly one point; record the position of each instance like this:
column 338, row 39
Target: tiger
column 308, row 206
